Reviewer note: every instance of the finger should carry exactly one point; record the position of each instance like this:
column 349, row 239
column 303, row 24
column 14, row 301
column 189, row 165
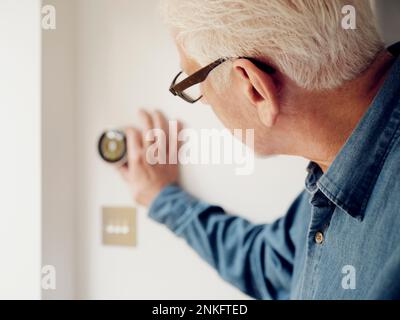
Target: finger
column 148, row 125
column 124, row 172
column 173, row 141
column 135, row 145
column 179, row 129
column 179, row 126
column 161, row 122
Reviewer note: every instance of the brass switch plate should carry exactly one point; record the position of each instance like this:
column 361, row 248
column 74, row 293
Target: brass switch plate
column 119, row 226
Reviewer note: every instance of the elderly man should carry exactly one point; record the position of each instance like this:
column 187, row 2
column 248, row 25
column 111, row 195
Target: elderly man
column 308, row 87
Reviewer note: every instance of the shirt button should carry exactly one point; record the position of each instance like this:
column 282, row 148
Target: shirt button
column 319, row 237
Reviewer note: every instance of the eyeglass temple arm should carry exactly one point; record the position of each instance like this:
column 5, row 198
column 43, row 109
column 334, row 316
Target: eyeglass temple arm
column 196, row 77
column 202, row 74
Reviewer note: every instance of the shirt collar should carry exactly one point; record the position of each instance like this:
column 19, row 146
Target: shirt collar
column 350, row 179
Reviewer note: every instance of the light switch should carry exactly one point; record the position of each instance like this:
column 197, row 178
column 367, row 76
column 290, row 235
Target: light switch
column 119, row 226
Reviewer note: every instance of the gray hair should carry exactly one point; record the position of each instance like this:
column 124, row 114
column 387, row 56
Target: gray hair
column 304, row 39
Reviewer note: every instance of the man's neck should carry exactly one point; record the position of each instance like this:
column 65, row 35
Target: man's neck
column 332, row 116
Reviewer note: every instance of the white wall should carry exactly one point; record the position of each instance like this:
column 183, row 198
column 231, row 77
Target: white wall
column 105, row 59
column 125, row 61
column 20, row 149
column 58, row 149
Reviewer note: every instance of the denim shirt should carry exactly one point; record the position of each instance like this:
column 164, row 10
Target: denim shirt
column 340, row 239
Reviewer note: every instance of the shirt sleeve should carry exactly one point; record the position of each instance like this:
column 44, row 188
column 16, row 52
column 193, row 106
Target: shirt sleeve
column 256, row 258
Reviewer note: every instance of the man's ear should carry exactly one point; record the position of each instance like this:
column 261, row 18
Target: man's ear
column 259, row 88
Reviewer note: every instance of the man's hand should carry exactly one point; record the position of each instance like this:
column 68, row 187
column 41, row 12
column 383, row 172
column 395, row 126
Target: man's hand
column 144, row 179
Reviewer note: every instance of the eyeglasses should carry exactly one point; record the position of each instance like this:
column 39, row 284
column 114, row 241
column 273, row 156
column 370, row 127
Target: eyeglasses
column 188, row 87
